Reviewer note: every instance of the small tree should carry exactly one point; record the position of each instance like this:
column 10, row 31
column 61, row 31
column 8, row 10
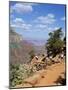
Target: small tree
column 55, row 44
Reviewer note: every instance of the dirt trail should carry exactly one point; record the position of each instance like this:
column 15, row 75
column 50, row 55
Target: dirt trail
column 51, row 75
column 45, row 77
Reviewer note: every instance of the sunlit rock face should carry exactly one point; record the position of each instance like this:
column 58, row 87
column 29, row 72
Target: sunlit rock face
column 14, row 37
column 19, row 48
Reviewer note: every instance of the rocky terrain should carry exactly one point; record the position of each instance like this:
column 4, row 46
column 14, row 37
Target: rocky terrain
column 19, row 48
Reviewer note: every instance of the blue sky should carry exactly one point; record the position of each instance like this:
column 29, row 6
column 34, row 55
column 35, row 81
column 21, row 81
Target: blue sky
column 36, row 20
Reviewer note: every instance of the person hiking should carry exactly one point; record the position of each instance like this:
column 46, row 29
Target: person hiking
column 61, row 56
column 36, row 57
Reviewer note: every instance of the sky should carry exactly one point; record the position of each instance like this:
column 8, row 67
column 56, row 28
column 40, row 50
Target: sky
column 35, row 20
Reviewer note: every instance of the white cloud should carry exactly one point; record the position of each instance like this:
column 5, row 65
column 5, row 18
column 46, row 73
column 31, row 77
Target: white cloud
column 30, row 3
column 20, row 24
column 55, row 28
column 48, row 19
column 21, row 8
column 63, row 18
column 42, row 23
column 50, row 15
column 45, row 22
column 40, row 26
column 19, row 20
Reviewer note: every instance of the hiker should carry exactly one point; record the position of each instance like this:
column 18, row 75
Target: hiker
column 43, row 55
column 61, row 56
column 36, row 57
column 50, row 57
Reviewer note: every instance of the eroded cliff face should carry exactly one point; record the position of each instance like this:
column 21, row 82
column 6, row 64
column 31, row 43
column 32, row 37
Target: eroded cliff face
column 19, row 48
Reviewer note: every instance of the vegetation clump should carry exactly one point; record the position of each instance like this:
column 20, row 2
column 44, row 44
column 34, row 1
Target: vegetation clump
column 18, row 72
column 55, row 43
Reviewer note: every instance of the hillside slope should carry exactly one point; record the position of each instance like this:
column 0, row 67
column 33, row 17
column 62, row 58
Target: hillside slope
column 19, row 48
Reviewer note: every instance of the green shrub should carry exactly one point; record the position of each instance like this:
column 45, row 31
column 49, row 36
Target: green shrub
column 18, row 72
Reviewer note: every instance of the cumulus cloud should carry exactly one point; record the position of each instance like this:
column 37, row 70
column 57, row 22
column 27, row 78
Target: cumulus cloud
column 40, row 26
column 21, row 8
column 20, row 24
column 19, row 21
column 63, row 18
column 48, row 19
column 55, row 28
column 41, row 23
column 30, row 3
column 50, row 15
